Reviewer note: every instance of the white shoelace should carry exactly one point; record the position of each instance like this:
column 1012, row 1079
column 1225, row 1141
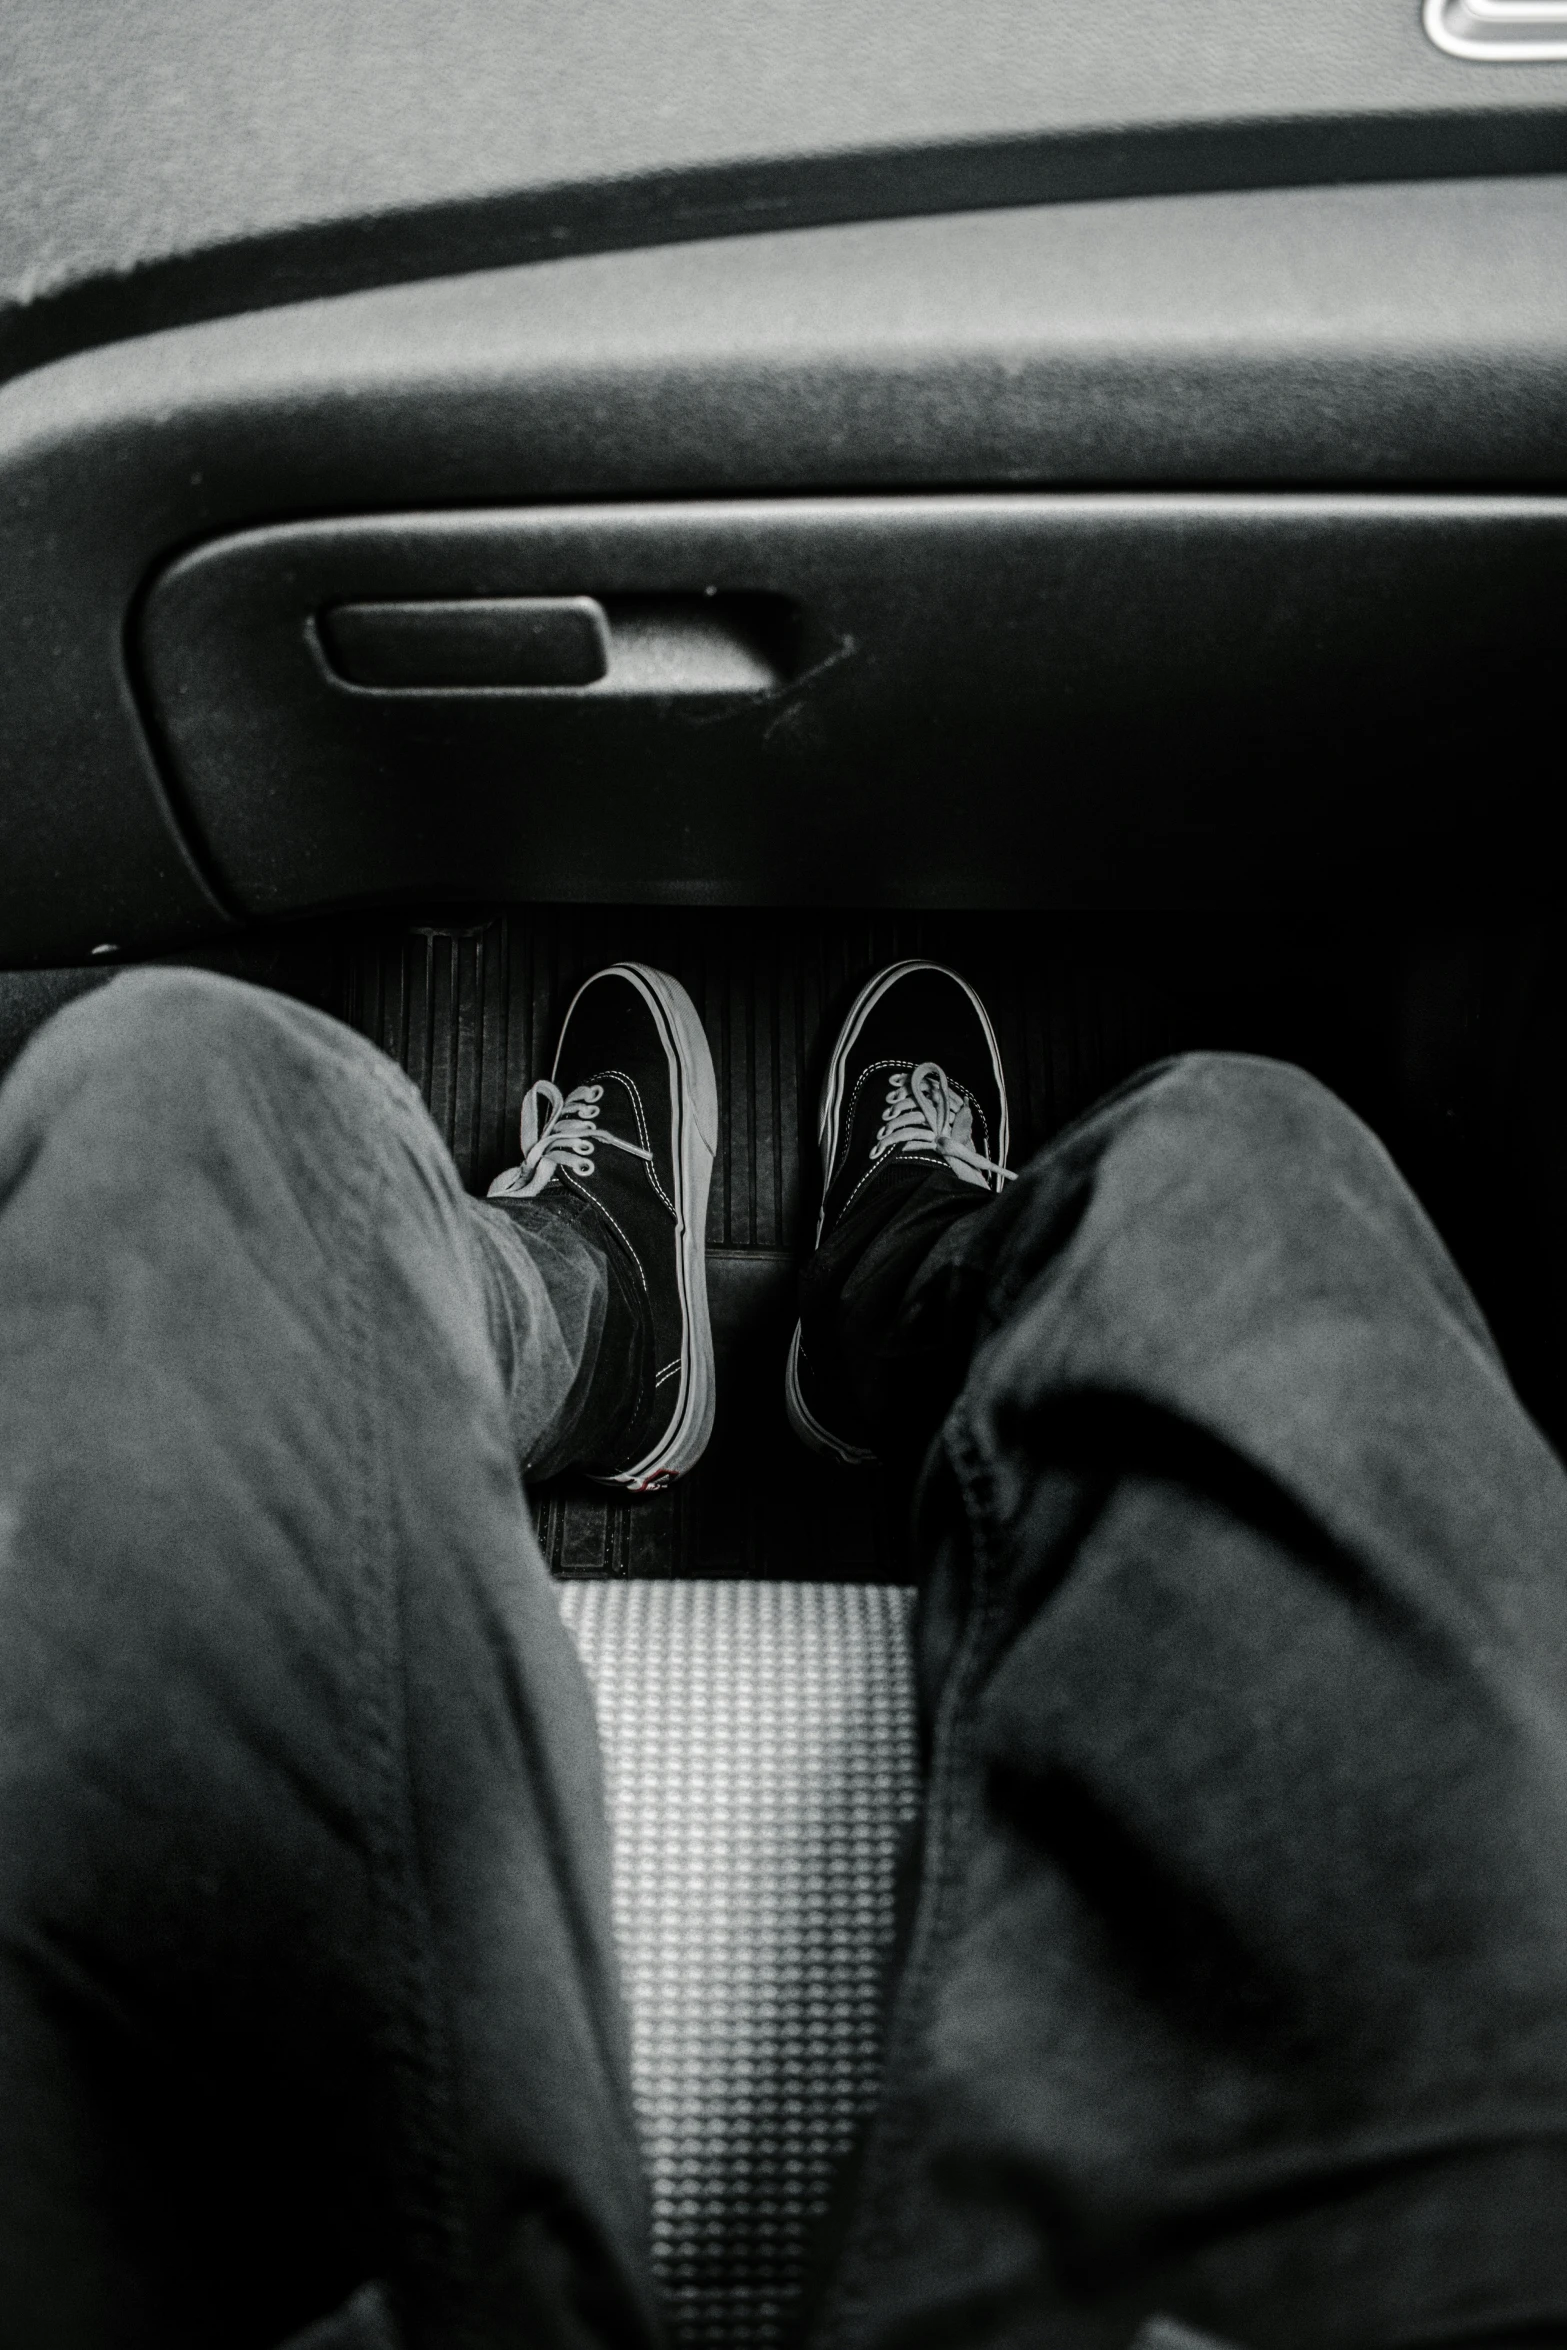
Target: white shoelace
column 566, row 1138
column 923, row 1113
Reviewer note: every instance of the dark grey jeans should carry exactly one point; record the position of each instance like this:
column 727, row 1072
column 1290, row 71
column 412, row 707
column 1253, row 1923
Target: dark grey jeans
column 1235, row 1982
column 305, row 1964
column 1236, row 1986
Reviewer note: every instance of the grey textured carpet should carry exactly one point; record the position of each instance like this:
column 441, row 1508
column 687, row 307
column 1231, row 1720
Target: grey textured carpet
column 759, row 1749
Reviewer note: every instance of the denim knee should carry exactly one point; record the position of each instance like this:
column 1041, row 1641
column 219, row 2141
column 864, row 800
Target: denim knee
column 184, row 1066
column 1207, row 1128
column 1244, row 1098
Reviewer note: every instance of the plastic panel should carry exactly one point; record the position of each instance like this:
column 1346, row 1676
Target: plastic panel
column 1411, row 335
column 1006, row 700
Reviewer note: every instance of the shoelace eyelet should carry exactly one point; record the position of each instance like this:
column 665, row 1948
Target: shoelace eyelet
column 925, row 1112
column 564, row 1139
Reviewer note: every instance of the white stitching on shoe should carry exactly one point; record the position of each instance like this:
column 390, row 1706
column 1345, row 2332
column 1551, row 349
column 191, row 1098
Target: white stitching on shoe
column 642, row 1128
column 610, row 1218
column 920, row 1159
column 846, row 1121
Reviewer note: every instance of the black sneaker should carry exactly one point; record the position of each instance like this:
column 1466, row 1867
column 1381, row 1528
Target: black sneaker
column 915, row 1076
column 624, row 1129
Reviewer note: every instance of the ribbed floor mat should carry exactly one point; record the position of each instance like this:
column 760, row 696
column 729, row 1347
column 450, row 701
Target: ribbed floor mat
column 759, row 1751
column 471, row 1010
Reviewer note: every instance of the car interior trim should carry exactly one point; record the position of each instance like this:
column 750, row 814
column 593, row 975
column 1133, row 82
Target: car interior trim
column 1500, row 32
column 1396, row 338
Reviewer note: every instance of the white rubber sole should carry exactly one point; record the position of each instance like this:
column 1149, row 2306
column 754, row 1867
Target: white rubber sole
column 829, row 1120
column 805, row 1423
column 693, row 1095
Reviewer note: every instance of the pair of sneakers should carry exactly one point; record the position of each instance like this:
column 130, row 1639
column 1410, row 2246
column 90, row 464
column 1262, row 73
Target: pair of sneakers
column 622, row 1136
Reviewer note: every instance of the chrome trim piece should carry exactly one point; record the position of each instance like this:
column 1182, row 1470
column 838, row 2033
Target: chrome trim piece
column 1500, row 32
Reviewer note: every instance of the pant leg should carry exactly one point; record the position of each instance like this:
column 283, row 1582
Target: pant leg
column 1237, row 1985
column 569, row 1332
column 305, row 1961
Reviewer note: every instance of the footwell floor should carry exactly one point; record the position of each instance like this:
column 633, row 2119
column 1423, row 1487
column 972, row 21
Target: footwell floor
column 1405, row 1028
column 1444, row 1034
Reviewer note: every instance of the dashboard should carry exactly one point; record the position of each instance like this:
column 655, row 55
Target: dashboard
column 1076, row 456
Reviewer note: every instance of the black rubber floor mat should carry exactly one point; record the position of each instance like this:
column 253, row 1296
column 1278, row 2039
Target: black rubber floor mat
column 471, row 1009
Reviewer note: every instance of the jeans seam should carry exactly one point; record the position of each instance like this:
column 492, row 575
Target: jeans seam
column 949, row 1796
column 415, row 2049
